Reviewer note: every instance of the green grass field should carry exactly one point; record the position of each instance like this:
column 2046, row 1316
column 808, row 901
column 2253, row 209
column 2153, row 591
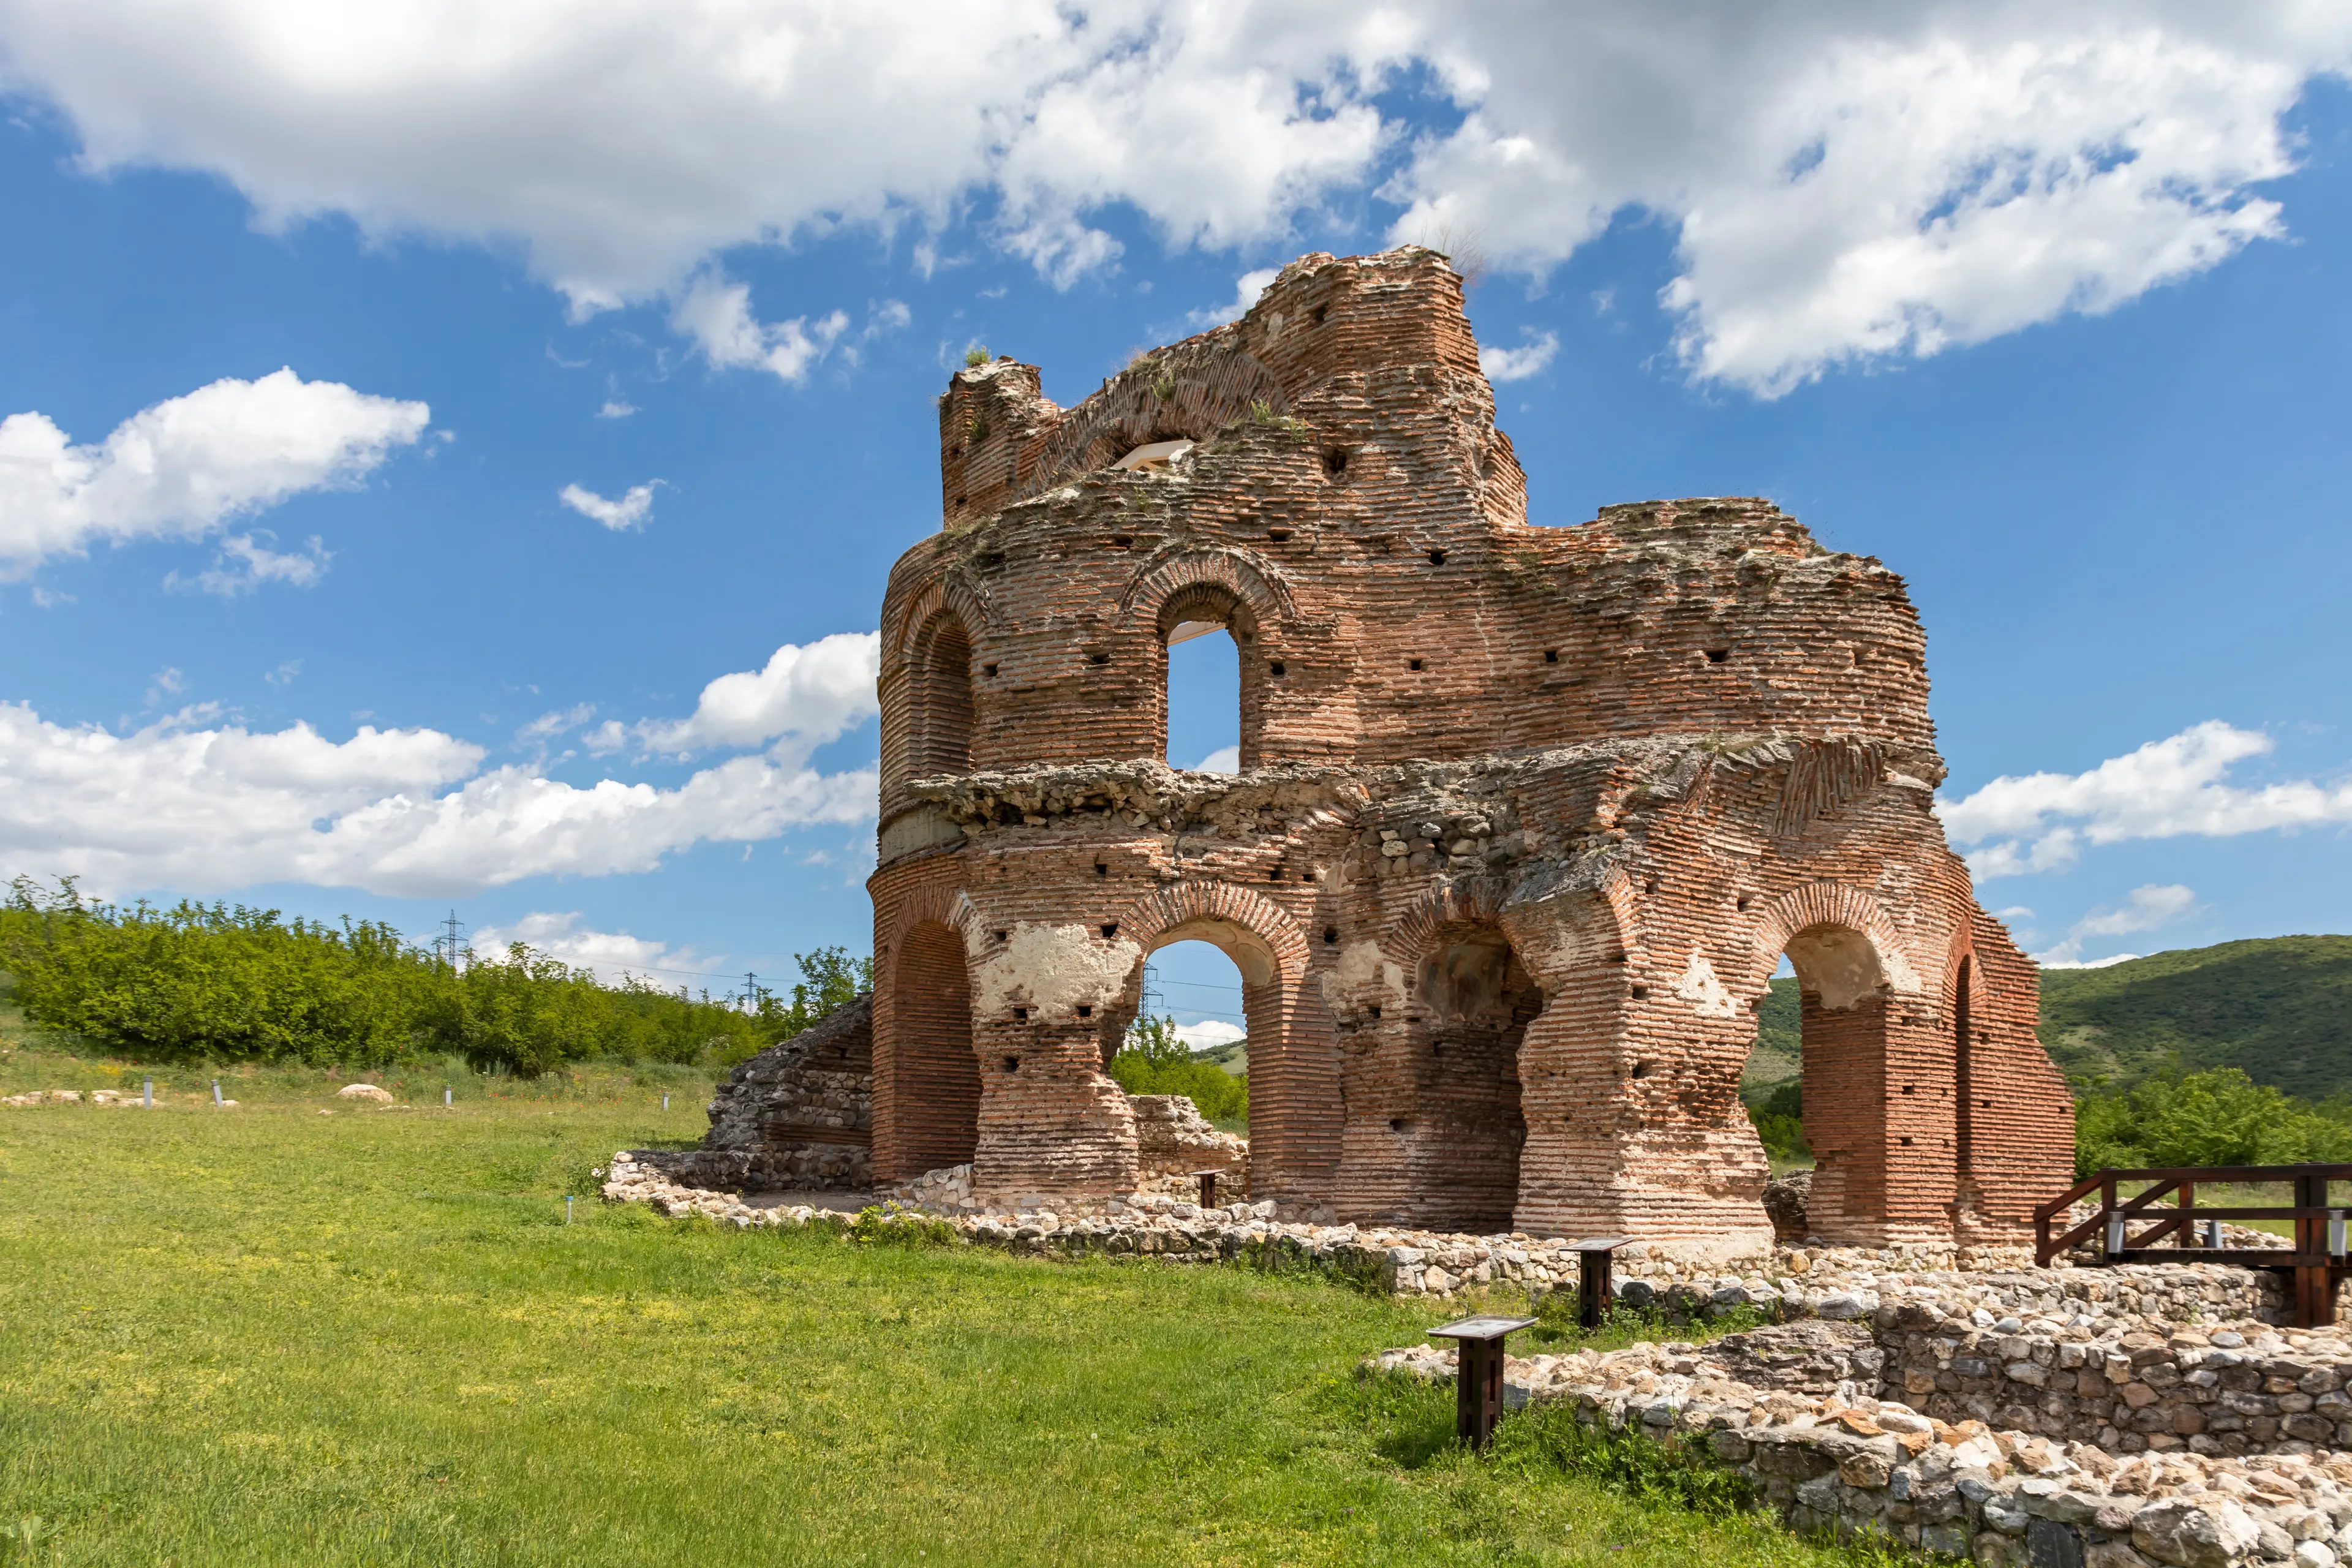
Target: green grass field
column 268, row 1336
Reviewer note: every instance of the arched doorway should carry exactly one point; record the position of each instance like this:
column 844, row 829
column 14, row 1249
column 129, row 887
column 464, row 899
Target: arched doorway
column 934, row 1076
column 1194, row 989
column 1188, row 1045
column 1878, row 1097
column 1295, row 1108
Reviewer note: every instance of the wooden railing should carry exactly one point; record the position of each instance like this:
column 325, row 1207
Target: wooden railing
column 2315, row 1255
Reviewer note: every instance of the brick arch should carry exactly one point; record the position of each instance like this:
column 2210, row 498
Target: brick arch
column 935, row 906
column 1963, row 948
column 1165, row 909
column 1257, row 582
column 1465, row 899
column 1829, row 904
column 1204, row 392
column 949, row 594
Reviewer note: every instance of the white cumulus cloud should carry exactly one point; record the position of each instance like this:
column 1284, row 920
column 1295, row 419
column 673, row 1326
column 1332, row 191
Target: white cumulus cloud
column 717, row 314
column 183, row 467
column 806, row 694
column 244, row 563
column 1843, row 181
column 1209, row 1033
column 628, row 512
column 2167, row 789
column 2148, row 908
column 193, row 802
column 1247, row 289
column 1531, row 358
column 610, row 955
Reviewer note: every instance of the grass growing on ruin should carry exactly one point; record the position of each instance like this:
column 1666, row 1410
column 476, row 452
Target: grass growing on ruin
column 268, row 1336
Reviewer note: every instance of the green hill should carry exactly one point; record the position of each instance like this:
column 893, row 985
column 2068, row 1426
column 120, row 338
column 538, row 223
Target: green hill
column 2278, row 1008
column 1233, row 1057
column 1779, row 1030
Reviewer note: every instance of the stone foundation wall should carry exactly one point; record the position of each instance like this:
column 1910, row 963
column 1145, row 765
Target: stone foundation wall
column 2213, row 1393
column 1788, row 1410
column 1839, row 1417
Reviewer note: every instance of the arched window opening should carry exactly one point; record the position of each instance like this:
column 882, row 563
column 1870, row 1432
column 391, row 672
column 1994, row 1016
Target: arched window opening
column 1189, row 1034
column 1210, row 713
column 1155, row 455
column 942, row 725
column 1473, row 1002
column 1204, row 680
column 937, row 1078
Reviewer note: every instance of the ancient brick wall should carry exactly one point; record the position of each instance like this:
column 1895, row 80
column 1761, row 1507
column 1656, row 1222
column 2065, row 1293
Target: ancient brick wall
column 1527, row 816
column 798, row 1115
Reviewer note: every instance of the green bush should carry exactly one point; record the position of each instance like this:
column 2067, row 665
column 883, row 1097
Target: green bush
column 2219, row 1117
column 234, row 984
column 887, row 1224
column 1152, row 1060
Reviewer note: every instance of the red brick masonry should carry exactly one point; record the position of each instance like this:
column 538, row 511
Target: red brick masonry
column 1526, row 819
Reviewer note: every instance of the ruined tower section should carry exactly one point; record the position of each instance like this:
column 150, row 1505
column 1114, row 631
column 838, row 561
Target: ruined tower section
column 1526, row 819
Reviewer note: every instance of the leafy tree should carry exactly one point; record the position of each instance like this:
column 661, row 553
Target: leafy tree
column 830, row 978
column 1781, row 1123
column 2219, row 1117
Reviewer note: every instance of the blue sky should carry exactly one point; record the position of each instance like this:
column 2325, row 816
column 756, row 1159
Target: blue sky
column 2043, row 307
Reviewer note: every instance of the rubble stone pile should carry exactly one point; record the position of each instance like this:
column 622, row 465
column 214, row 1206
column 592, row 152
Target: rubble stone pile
column 1174, row 1141
column 799, row 1116
column 102, row 1097
column 1835, row 1282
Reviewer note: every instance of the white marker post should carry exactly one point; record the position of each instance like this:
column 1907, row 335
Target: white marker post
column 148, row 1099
column 567, row 1208
column 447, row 1096
column 664, row 1103
column 216, row 1099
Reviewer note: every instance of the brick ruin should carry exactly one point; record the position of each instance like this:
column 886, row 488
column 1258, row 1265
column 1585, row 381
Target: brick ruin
column 1526, row 816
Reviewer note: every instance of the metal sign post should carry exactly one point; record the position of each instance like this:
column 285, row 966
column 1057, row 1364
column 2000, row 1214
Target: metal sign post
column 1479, row 1373
column 1594, row 1289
